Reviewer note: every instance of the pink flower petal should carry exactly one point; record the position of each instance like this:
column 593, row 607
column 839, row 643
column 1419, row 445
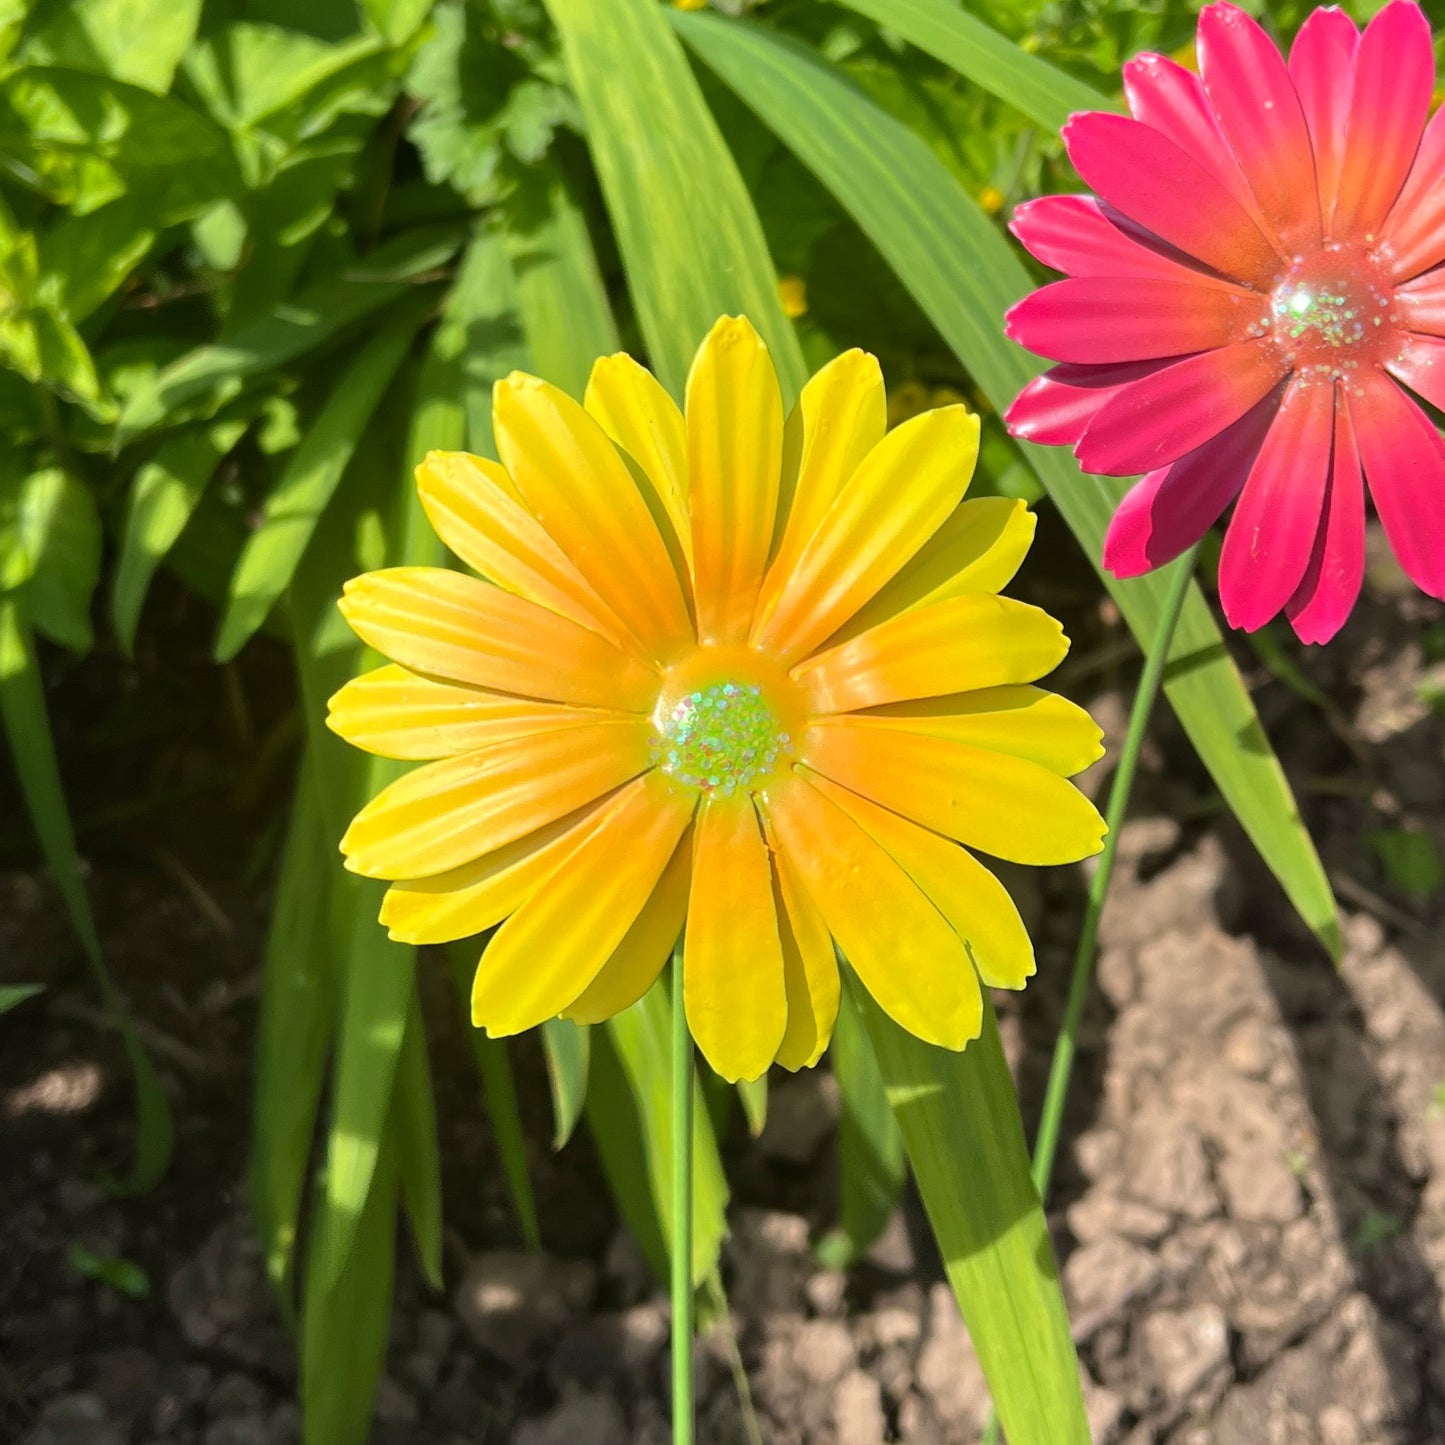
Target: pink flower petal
column 1332, row 581
column 1421, row 366
column 1322, row 66
column 1152, row 181
column 1053, row 409
column 1172, row 508
column 1394, row 80
column 1111, row 318
column 1415, row 228
column 1081, row 236
column 1272, row 533
column 1420, row 304
column 1159, row 418
column 1404, row 461
column 1162, row 94
column 1259, row 112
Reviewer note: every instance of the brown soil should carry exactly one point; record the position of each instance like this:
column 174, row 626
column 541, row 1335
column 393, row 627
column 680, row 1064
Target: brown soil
column 1250, row 1204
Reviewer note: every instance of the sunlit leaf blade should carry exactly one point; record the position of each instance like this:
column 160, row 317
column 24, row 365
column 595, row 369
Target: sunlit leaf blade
column 568, row 1049
column 27, row 730
column 297, row 1019
column 307, row 321
column 949, row 33
column 499, row 1089
column 162, row 498
column 13, row 994
column 870, row 1147
column 753, row 1095
column 629, row 1111
column 345, row 1320
column 689, row 236
column 964, row 276
column 418, row 1155
column 960, row 1121
column 296, row 501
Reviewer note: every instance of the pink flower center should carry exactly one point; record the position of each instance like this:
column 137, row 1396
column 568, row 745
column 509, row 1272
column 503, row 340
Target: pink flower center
column 1332, row 313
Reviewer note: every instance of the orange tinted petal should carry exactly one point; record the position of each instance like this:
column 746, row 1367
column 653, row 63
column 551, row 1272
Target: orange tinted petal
column 734, row 445
column 898, row 497
column 636, row 961
column 548, row 952
column 475, row 510
column 397, row 714
column 439, row 622
column 1001, row 805
column 442, row 815
column 479, row 895
column 956, row 645
column 903, row 950
column 581, row 491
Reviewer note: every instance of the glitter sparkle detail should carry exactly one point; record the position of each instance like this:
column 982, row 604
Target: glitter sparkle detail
column 722, row 738
column 1332, row 313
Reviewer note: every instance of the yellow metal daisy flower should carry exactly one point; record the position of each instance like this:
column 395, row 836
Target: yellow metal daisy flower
column 727, row 670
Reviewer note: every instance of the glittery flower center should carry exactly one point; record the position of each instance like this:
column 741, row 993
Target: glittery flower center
column 722, row 738
column 1333, row 312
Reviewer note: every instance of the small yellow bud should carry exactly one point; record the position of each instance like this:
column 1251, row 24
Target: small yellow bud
column 792, row 292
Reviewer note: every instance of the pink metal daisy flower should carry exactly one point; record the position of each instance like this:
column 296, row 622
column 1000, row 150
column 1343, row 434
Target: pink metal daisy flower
column 1253, row 286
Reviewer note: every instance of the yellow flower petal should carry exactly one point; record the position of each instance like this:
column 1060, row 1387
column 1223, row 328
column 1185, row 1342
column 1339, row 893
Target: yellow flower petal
column 898, row 497
column 903, row 950
column 475, row 510
column 734, row 445
column 956, row 883
column 956, row 645
column 445, row 814
column 635, row 410
column 732, row 967
column 978, row 549
column 839, row 418
column 479, row 895
column 397, row 714
column 548, row 952
column 1000, row 805
column 810, row 967
column 636, row 961
column 581, row 491
column 441, row 623
column 1026, row 722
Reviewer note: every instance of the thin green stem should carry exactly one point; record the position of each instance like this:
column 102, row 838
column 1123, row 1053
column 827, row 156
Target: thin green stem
column 1061, row 1069
column 682, row 1404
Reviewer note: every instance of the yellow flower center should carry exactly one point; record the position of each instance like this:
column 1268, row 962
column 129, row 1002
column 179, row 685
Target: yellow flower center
column 725, row 721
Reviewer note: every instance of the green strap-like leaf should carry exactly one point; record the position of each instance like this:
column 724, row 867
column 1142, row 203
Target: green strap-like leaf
column 690, row 238
column 12, row 994
column 964, row 276
column 294, row 504
column 993, row 62
column 870, row 1147
column 568, row 1050
column 418, row 1154
column 960, row 1121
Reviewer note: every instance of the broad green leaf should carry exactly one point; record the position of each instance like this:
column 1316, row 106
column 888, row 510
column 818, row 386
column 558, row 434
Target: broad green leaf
column 871, row 1165
column 27, row 729
column 139, row 41
column 960, row 1122
column 499, row 1089
column 689, row 236
column 397, row 20
column 84, row 259
column 161, row 499
column 949, row 33
column 964, row 276
column 560, row 295
column 346, row 1317
column 302, row 491
column 629, row 1111
column 12, row 994
column 59, row 529
column 568, row 1049
column 418, row 1154
column 293, row 328
column 294, row 1031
